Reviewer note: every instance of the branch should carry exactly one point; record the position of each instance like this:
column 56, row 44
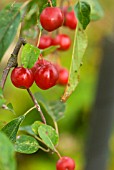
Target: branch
column 12, row 62
column 37, row 106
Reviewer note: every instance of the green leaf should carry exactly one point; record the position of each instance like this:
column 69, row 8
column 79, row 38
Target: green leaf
column 31, row 17
column 35, row 126
column 9, row 22
column 26, row 144
column 55, row 109
column 96, row 10
column 79, row 47
column 27, row 129
column 12, row 127
column 29, row 55
column 9, row 107
column 82, row 10
column 49, row 50
column 48, row 135
column 7, row 154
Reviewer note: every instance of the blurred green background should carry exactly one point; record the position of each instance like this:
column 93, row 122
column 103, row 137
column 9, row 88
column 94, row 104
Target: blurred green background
column 74, row 126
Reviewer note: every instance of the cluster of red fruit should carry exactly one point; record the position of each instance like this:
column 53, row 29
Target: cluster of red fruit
column 44, row 73
column 52, row 18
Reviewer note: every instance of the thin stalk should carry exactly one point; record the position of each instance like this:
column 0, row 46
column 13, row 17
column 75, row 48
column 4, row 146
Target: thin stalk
column 56, row 127
column 37, row 106
column 50, row 3
column 39, row 35
column 29, row 110
column 57, row 152
column 44, row 149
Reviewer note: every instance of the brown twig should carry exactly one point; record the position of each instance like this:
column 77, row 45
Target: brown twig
column 12, row 62
column 37, row 106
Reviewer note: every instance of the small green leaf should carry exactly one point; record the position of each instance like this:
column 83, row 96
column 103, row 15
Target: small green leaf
column 8, row 107
column 9, row 22
column 79, row 47
column 96, row 10
column 7, row 154
column 11, row 128
column 27, row 129
column 35, row 126
column 48, row 135
column 55, row 109
column 82, row 10
column 49, row 50
column 26, row 144
column 29, row 55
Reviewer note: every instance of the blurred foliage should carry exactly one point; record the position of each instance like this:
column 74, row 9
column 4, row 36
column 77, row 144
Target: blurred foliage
column 74, row 126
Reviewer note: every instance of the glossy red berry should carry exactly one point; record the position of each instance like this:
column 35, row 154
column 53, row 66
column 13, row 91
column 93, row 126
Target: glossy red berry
column 46, row 76
column 63, row 76
column 65, row 163
column 22, row 77
column 39, row 63
column 45, row 41
column 70, row 20
column 63, row 40
column 51, row 18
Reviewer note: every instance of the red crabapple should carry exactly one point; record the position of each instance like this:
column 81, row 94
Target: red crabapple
column 39, row 63
column 51, row 18
column 70, row 20
column 63, row 76
column 63, row 40
column 65, row 163
column 45, row 42
column 46, row 76
column 22, row 77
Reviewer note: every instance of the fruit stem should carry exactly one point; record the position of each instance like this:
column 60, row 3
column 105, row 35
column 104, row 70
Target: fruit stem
column 57, row 152
column 29, row 110
column 12, row 62
column 56, row 127
column 37, row 106
column 39, row 35
column 45, row 150
column 50, row 3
